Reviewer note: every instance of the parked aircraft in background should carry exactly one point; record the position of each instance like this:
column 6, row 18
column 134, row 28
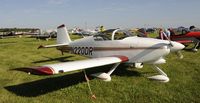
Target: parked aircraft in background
column 185, row 36
column 45, row 35
column 9, row 35
column 83, row 32
column 87, row 32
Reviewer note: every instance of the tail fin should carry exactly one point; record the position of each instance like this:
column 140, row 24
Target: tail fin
column 62, row 35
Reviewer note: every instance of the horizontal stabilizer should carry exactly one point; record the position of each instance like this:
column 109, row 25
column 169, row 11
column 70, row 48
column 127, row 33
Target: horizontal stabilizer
column 52, row 46
column 63, row 38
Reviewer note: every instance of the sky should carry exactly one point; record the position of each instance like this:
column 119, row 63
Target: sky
column 48, row 14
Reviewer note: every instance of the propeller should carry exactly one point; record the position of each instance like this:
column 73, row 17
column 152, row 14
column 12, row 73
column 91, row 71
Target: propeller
column 165, row 35
column 178, row 53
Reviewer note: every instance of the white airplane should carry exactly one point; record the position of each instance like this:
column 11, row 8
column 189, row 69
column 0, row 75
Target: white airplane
column 86, row 32
column 113, row 46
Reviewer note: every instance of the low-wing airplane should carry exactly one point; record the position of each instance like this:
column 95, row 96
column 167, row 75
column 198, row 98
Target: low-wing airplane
column 8, row 35
column 112, row 46
column 83, row 32
column 45, row 36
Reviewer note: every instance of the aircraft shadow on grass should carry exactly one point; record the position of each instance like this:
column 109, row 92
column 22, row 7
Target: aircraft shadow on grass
column 7, row 43
column 47, row 85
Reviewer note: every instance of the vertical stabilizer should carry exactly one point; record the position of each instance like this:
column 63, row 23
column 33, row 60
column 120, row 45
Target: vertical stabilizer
column 62, row 35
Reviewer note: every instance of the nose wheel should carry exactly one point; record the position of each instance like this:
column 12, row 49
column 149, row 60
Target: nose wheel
column 162, row 77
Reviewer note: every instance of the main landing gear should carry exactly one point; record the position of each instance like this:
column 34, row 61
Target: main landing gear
column 106, row 76
column 162, row 77
column 195, row 47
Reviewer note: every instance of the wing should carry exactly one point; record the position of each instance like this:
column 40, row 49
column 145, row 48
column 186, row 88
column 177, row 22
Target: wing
column 77, row 65
column 186, row 40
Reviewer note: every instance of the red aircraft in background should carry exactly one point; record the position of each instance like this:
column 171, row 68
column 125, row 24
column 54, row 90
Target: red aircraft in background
column 185, row 36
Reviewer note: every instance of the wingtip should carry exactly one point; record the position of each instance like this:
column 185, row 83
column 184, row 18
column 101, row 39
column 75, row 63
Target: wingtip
column 40, row 70
column 123, row 58
column 43, row 70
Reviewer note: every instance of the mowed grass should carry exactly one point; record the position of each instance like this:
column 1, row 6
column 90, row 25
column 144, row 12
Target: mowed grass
column 128, row 85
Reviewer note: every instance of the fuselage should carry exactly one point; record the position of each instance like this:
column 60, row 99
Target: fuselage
column 137, row 49
column 187, row 35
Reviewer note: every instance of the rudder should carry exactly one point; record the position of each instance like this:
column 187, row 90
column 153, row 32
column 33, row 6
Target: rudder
column 63, row 35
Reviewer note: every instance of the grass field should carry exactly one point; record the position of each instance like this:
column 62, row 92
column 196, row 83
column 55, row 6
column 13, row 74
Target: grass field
column 128, row 85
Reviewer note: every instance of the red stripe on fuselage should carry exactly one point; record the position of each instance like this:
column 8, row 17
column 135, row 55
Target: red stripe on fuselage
column 122, row 48
column 66, row 48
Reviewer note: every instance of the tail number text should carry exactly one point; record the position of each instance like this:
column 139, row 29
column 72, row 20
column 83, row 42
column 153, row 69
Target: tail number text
column 83, row 50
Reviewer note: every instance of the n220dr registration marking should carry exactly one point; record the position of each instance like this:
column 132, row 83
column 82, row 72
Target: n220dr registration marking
column 83, row 50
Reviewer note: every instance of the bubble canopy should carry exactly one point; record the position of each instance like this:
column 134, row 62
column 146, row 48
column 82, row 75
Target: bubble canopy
column 113, row 34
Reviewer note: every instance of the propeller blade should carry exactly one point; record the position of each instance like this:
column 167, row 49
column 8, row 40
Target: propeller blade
column 171, row 45
column 170, row 42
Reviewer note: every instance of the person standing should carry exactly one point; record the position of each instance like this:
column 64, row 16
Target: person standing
column 164, row 34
